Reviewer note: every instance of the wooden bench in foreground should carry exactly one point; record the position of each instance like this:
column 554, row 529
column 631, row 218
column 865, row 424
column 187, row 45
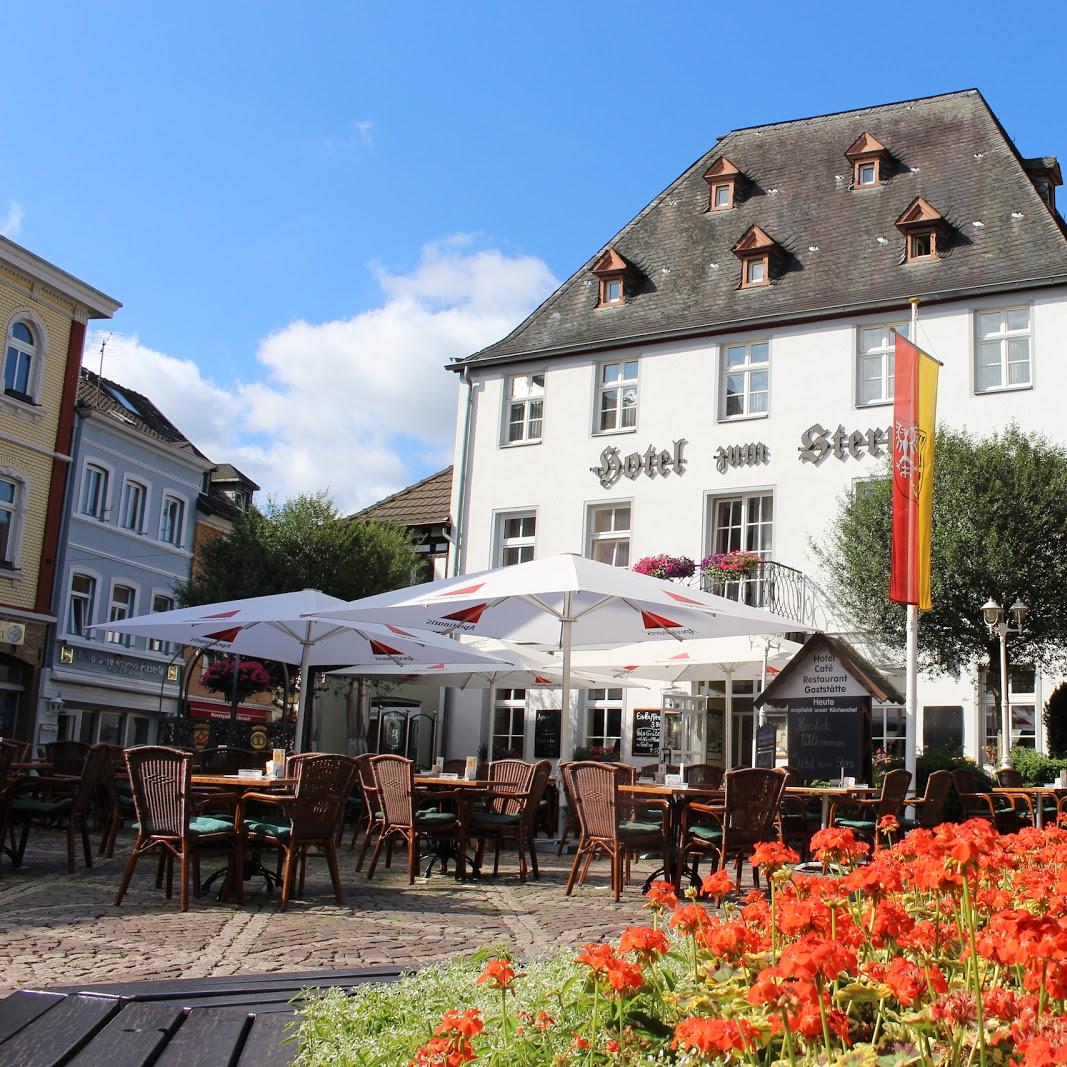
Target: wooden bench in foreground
column 238, row 1021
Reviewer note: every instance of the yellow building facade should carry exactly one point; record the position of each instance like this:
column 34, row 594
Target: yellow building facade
column 44, row 313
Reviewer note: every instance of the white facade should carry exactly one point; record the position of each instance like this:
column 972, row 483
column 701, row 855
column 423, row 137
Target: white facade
column 815, row 376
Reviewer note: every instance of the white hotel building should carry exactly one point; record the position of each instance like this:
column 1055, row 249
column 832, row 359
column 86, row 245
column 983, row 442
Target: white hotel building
column 731, row 347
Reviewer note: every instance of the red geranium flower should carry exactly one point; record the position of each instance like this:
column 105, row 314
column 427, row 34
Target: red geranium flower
column 644, row 941
column 498, row 973
column 661, row 895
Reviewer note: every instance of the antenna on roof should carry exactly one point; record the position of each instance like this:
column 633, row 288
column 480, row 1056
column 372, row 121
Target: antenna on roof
column 103, row 345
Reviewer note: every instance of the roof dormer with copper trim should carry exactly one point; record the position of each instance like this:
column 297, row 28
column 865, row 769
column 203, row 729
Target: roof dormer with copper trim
column 871, row 162
column 761, row 257
column 925, row 230
column 726, row 184
column 613, row 271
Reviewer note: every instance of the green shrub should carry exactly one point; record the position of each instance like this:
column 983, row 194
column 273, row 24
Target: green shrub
column 1035, row 768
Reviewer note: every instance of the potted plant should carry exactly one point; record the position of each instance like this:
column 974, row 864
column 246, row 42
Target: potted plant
column 667, row 567
column 722, row 567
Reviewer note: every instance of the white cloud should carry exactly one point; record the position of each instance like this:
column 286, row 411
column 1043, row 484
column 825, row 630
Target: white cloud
column 360, row 134
column 360, row 406
column 13, row 222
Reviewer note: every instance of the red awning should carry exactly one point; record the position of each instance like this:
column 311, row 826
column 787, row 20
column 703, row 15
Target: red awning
column 202, row 709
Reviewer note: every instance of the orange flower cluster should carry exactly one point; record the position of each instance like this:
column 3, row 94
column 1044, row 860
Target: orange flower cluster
column 451, row 1044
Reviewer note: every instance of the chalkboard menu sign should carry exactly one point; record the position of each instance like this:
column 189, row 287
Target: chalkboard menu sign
column 546, row 733
column 829, row 736
column 647, row 726
column 765, row 742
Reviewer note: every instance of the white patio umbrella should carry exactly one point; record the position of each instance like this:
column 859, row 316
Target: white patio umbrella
column 283, row 628
column 564, row 601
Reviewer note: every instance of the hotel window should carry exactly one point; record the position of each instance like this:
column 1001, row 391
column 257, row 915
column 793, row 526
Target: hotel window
column 745, row 380
column 1002, row 350
column 161, row 603
column 526, row 407
column 722, row 196
column 20, row 370
column 604, row 719
column 617, row 396
column 609, row 534
column 81, row 604
column 94, row 492
column 509, row 723
column 172, row 521
column 515, row 537
column 121, row 607
column 743, row 523
column 10, row 512
column 874, row 377
column 887, row 731
column 133, row 505
column 1022, row 699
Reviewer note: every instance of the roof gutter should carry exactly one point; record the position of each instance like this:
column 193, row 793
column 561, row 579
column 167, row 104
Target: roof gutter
column 711, row 329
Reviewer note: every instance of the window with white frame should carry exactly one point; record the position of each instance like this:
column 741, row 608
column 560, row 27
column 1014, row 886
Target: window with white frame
column 120, row 608
column 887, row 732
column 743, row 523
column 20, row 361
column 616, row 396
column 509, row 723
column 526, row 407
column 515, row 538
column 609, row 534
column 875, row 362
column 161, row 602
column 10, row 513
column 1002, row 350
column 81, row 604
column 131, row 516
column 172, row 520
column 746, row 379
column 1023, row 704
column 94, row 491
column 603, row 727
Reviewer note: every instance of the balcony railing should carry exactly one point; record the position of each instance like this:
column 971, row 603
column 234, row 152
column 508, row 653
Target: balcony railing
column 773, row 587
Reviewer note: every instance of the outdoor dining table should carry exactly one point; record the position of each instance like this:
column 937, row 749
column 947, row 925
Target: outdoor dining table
column 468, row 790
column 1032, row 793
column 827, row 794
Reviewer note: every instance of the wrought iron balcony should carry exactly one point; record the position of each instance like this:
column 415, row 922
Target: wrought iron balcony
column 773, row 587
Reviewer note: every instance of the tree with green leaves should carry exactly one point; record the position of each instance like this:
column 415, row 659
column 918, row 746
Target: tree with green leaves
column 999, row 529
column 303, row 543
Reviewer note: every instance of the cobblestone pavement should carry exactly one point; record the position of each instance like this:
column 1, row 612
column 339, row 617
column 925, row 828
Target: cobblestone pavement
column 60, row 929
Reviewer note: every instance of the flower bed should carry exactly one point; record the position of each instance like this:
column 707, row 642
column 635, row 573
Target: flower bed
column 948, row 948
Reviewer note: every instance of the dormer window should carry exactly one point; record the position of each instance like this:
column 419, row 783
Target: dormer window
column 724, row 179
column 925, row 230
column 869, row 159
column 611, row 269
column 759, row 255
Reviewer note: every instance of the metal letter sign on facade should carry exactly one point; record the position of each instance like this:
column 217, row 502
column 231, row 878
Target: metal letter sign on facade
column 816, row 443
column 750, row 455
column 651, row 462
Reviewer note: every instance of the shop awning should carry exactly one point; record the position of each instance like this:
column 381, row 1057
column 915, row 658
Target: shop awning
column 204, row 709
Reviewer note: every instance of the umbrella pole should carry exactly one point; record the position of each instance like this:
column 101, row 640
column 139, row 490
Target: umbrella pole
column 301, row 708
column 566, row 722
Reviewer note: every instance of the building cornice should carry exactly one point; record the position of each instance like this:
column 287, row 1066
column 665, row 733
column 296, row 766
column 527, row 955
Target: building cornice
column 98, row 305
column 172, row 451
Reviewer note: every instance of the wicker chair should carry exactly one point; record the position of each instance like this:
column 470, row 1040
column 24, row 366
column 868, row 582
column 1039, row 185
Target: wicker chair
column 978, row 803
column 594, row 788
column 226, row 760
column 798, row 817
column 930, row 807
column 862, row 816
column 747, row 816
column 1009, row 778
column 394, row 781
column 309, row 818
column 66, row 757
column 373, row 821
column 163, row 803
column 512, row 804
column 7, row 794
column 704, row 776
column 571, row 825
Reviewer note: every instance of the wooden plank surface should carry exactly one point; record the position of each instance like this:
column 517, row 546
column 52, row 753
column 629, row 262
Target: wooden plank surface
column 131, row 1038
column 21, row 1008
column 207, row 1036
column 251, row 784
column 264, row 1043
column 55, row 1036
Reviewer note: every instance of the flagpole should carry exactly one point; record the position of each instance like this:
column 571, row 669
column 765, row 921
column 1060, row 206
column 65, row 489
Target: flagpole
column 911, row 668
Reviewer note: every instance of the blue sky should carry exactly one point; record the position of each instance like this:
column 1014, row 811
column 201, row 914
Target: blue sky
column 403, row 182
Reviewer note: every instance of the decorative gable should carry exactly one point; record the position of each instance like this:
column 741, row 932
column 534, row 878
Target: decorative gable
column 924, row 228
column 870, row 161
column 725, row 182
column 612, row 270
column 760, row 254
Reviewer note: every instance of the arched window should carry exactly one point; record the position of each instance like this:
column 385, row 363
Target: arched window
column 20, row 360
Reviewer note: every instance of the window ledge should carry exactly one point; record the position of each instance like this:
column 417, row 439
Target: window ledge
column 31, row 412
column 745, row 418
column 10, row 572
column 521, row 444
column 614, row 433
column 873, row 404
column 1004, row 389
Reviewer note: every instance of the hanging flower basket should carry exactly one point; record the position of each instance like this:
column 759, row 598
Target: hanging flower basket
column 730, row 566
column 252, row 677
column 666, row 567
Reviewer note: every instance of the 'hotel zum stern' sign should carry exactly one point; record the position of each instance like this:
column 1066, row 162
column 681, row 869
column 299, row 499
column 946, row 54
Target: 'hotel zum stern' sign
column 827, row 689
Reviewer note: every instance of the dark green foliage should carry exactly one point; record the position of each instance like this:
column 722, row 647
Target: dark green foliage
column 1035, row 768
column 302, row 544
column 949, row 758
column 1056, row 722
column 1000, row 529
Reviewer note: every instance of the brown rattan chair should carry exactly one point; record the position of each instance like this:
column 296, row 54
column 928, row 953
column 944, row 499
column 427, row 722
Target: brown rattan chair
column 978, row 803
column 747, row 816
column 373, row 821
column 704, row 776
column 862, row 816
column 163, row 804
column 308, row 818
column 594, row 788
column 930, row 807
column 512, row 804
column 570, row 825
column 7, row 795
column 66, row 757
column 798, row 817
column 1009, row 778
column 394, row 781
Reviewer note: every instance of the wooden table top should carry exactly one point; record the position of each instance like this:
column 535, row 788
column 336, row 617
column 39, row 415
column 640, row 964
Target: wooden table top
column 243, row 782
column 830, row 790
column 452, row 783
column 1045, row 790
column 654, row 789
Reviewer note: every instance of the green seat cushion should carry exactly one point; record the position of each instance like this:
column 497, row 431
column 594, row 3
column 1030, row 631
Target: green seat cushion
column 434, row 819
column 207, row 824
column 267, row 828
column 492, row 818
column 909, row 824
column 706, row 833
column 637, row 826
column 125, row 802
column 856, row 824
column 353, row 802
column 33, row 806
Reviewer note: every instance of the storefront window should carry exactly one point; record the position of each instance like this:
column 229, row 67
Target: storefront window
column 604, row 719
column 887, row 732
column 509, row 723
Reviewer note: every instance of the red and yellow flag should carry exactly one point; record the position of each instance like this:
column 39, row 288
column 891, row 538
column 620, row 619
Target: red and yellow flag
column 914, row 429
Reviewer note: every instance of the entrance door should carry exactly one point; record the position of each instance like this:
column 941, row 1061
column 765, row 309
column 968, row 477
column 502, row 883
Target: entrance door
column 742, row 722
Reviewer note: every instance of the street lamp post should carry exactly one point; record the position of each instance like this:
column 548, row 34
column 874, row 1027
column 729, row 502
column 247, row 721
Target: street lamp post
column 997, row 621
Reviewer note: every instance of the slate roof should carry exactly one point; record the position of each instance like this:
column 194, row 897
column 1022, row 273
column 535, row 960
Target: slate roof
column 227, row 472
column 426, row 503
column 844, row 253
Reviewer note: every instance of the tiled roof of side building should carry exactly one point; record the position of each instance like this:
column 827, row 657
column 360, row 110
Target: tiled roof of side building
column 426, row 503
column 227, row 472
column 842, row 249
